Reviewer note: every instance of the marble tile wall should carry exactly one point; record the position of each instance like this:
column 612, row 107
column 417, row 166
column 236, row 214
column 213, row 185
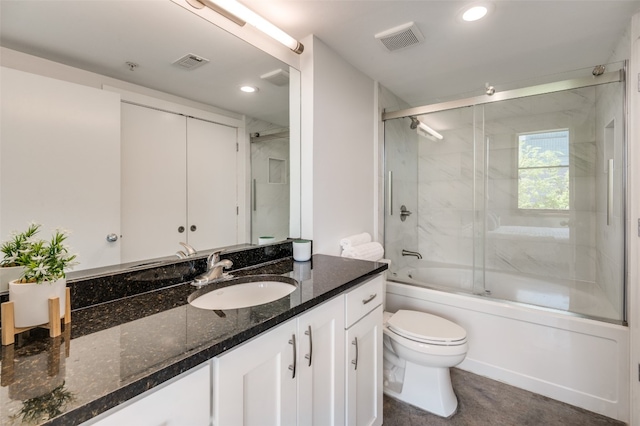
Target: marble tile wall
column 271, row 214
column 567, row 250
column 447, row 222
column 609, row 254
column 401, row 158
column 452, row 204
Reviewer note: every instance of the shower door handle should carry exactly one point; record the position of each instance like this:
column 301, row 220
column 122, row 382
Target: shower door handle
column 610, row 192
column 254, row 195
column 390, row 193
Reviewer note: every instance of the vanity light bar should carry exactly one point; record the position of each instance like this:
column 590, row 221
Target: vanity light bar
column 241, row 15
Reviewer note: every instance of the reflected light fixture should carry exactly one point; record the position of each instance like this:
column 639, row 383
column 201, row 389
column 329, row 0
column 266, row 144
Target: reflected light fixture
column 475, row 11
column 248, row 89
column 429, row 130
column 241, row 15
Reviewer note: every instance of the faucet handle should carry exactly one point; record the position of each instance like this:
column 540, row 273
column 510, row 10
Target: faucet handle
column 214, row 257
column 190, row 250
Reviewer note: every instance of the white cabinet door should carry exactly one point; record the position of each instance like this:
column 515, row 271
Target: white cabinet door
column 212, row 185
column 185, row 401
column 60, row 162
column 364, row 370
column 154, row 190
column 321, row 365
column 254, row 385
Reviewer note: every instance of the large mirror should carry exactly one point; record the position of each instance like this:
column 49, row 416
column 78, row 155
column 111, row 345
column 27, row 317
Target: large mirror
column 173, row 80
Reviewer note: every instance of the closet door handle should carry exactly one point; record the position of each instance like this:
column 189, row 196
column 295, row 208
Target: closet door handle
column 309, row 356
column 292, row 341
column 355, row 361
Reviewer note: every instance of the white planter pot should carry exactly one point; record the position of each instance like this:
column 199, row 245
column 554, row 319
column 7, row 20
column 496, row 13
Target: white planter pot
column 9, row 274
column 31, row 301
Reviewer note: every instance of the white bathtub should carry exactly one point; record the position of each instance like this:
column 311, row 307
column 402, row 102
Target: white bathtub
column 581, row 297
column 579, row 361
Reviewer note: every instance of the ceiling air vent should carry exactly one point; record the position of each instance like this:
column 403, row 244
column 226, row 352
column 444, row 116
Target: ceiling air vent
column 190, row 61
column 400, row 37
column 278, row 77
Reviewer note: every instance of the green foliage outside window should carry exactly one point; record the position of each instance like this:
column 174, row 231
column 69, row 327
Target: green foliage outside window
column 543, row 174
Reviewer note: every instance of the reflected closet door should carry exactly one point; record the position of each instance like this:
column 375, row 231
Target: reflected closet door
column 60, row 157
column 153, row 183
column 211, row 184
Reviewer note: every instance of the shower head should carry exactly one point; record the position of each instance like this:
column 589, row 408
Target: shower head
column 598, row 70
column 414, row 123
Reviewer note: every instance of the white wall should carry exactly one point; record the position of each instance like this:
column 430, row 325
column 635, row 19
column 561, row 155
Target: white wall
column 633, row 203
column 337, row 148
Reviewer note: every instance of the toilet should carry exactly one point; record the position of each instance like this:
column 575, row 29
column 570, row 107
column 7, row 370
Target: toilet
column 419, row 349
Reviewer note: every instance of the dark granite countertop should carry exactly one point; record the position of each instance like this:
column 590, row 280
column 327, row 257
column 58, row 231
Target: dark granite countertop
column 116, row 350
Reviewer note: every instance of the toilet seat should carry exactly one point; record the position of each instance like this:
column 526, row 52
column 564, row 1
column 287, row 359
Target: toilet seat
column 426, row 328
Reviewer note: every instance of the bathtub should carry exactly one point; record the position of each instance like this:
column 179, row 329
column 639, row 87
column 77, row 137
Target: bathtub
column 569, row 358
column 581, row 297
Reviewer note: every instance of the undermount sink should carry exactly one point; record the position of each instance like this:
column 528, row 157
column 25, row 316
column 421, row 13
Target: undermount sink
column 243, row 292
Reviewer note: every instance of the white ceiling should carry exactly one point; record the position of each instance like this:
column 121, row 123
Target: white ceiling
column 102, row 35
column 518, row 41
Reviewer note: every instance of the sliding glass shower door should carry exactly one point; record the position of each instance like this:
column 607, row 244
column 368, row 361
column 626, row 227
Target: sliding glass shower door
column 520, row 199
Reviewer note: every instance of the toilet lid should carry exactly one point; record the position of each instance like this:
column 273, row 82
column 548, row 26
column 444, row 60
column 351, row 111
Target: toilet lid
column 424, row 327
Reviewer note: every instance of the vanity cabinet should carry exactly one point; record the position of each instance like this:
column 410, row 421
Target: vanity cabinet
column 179, row 183
column 294, row 374
column 182, row 401
column 363, row 341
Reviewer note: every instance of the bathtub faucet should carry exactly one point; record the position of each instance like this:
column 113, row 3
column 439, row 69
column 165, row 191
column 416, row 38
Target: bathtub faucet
column 411, row 253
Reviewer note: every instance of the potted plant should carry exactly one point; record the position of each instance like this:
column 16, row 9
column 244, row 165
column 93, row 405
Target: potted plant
column 10, row 269
column 43, row 274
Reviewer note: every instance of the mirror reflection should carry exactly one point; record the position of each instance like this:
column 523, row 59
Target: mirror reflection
column 124, row 123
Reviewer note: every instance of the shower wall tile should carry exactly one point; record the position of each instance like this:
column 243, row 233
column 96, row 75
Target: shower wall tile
column 400, row 157
column 271, row 215
column 503, row 163
column 583, row 193
column 582, row 159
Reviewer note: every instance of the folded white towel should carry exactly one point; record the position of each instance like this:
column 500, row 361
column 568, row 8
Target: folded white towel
column 355, row 240
column 368, row 251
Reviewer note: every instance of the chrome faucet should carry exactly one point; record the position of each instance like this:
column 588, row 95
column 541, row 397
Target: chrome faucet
column 190, row 251
column 411, row 253
column 214, row 272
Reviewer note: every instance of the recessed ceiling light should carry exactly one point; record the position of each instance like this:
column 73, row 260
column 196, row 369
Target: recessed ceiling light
column 249, row 89
column 475, row 11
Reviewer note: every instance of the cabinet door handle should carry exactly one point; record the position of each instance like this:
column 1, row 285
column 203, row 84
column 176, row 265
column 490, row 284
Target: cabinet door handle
column 369, row 299
column 309, row 356
column 355, row 361
column 292, row 341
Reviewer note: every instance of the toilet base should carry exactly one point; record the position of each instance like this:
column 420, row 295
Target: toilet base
column 427, row 388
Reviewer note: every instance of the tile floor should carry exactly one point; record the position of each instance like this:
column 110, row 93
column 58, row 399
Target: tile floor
column 485, row 402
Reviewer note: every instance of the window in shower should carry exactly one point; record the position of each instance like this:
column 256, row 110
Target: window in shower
column 543, row 170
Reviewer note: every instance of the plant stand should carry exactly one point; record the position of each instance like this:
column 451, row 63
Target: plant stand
column 9, row 330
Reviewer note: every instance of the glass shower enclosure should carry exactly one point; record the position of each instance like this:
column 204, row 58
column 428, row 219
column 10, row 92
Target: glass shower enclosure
column 517, row 196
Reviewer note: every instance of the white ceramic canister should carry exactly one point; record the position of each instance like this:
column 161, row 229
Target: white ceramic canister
column 265, row 240
column 301, row 250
